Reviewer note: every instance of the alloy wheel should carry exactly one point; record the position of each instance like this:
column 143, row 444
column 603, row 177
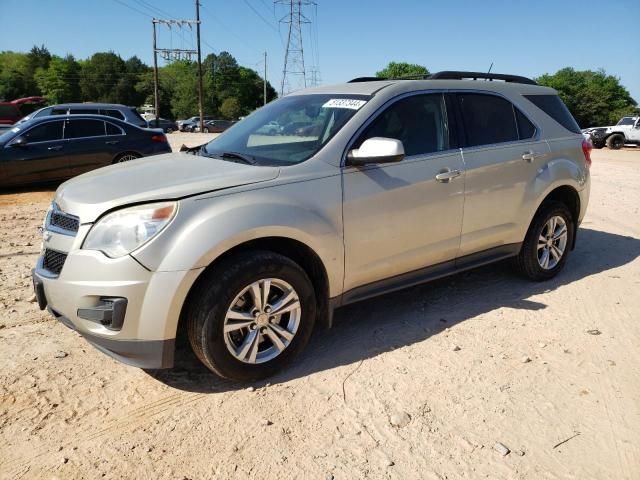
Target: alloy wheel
column 262, row 321
column 552, row 242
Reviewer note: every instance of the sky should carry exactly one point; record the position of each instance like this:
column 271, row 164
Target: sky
column 350, row 38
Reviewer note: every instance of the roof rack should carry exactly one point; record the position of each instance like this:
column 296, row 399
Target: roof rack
column 453, row 75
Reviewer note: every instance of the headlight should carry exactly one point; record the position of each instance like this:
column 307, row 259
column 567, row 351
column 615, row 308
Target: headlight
column 122, row 231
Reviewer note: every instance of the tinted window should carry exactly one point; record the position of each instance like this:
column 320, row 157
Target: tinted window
column 418, row 122
column 556, row 109
column 626, row 121
column 83, row 128
column 487, row 119
column 112, row 129
column 45, row 133
column 84, row 111
column 59, row 111
column 526, row 129
column 112, row 113
column 8, row 111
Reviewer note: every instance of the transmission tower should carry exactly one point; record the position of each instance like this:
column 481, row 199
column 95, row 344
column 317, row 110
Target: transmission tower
column 294, row 75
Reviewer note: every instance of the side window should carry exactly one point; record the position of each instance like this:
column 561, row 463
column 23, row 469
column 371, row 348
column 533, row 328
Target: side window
column 47, row 132
column 59, row 111
column 487, row 119
column 83, row 128
column 113, row 130
column 112, row 113
column 418, row 121
column 556, row 109
column 526, row 129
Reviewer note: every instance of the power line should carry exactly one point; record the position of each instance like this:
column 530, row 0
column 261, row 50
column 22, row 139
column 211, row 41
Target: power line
column 267, row 22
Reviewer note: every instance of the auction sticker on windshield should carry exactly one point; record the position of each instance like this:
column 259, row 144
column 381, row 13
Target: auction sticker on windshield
column 350, row 103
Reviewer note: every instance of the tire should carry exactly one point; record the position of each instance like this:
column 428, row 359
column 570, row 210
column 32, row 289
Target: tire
column 529, row 261
column 615, row 141
column 598, row 145
column 169, row 130
column 225, row 286
column 126, row 157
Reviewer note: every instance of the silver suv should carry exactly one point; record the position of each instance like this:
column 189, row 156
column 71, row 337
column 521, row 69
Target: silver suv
column 247, row 243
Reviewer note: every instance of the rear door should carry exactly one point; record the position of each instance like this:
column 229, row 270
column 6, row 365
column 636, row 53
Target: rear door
column 502, row 154
column 42, row 159
column 87, row 145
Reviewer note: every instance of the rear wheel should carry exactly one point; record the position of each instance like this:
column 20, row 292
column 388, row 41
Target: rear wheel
column 615, row 141
column 125, row 157
column 250, row 315
column 548, row 242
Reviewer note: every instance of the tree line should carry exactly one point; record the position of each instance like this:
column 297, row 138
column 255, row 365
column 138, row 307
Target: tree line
column 230, row 90
column 595, row 98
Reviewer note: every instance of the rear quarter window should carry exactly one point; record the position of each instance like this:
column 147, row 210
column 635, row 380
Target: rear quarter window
column 556, row 109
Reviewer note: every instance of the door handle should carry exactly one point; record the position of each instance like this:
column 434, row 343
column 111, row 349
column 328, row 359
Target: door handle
column 112, row 142
column 447, row 175
column 57, row 147
column 530, row 156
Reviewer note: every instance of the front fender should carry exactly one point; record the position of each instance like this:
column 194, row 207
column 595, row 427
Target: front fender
column 206, row 227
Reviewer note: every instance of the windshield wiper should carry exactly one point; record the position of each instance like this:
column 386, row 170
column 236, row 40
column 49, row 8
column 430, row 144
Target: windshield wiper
column 238, row 156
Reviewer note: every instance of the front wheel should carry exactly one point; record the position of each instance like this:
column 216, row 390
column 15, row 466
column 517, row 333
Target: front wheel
column 250, row 315
column 548, row 242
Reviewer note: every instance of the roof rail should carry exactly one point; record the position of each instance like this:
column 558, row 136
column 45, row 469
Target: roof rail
column 455, row 75
column 366, row 79
column 452, row 75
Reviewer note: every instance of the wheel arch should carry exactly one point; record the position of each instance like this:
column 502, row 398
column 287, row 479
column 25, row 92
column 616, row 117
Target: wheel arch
column 297, row 251
column 568, row 195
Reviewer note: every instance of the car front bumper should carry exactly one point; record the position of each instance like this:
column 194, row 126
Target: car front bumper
column 83, row 293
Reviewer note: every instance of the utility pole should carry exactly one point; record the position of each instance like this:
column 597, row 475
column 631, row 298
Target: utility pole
column 264, row 82
column 156, row 99
column 199, row 67
column 174, row 54
column 294, row 55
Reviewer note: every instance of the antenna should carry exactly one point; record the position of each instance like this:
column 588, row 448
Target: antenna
column 490, row 67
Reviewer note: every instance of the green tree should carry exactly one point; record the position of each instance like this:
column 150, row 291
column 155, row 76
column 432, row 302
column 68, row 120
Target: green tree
column 100, row 77
column 59, row 81
column 16, row 79
column 230, row 108
column 593, row 97
column 401, row 69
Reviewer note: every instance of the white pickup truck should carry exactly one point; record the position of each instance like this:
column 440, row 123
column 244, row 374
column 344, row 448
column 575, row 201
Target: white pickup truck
column 626, row 131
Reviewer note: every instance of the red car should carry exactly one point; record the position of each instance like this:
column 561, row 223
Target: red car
column 11, row 112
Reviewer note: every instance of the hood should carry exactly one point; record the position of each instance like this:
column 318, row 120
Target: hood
column 160, row 177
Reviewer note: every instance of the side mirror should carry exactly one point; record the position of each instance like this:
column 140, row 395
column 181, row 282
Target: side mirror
column 19, row 142
column 376, row 150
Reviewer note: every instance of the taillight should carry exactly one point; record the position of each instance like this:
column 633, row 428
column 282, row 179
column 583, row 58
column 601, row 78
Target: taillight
column 587, row 146
column 159, row 138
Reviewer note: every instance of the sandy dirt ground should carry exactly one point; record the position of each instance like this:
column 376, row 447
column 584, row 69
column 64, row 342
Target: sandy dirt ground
column 418, row 384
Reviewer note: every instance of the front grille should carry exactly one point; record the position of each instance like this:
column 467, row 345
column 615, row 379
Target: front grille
column 54, row 261
column 64, row 221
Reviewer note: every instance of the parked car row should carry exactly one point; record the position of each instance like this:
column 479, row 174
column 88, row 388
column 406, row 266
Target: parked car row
column 211, row 125
column 52, row 148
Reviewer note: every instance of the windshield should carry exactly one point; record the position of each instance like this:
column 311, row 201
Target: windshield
column 7, row 134
column 626, row 121
column 288, row 131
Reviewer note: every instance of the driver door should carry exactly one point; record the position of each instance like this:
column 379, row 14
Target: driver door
column 397, row 217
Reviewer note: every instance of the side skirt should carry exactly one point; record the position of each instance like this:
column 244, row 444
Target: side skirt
column 426, row 274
